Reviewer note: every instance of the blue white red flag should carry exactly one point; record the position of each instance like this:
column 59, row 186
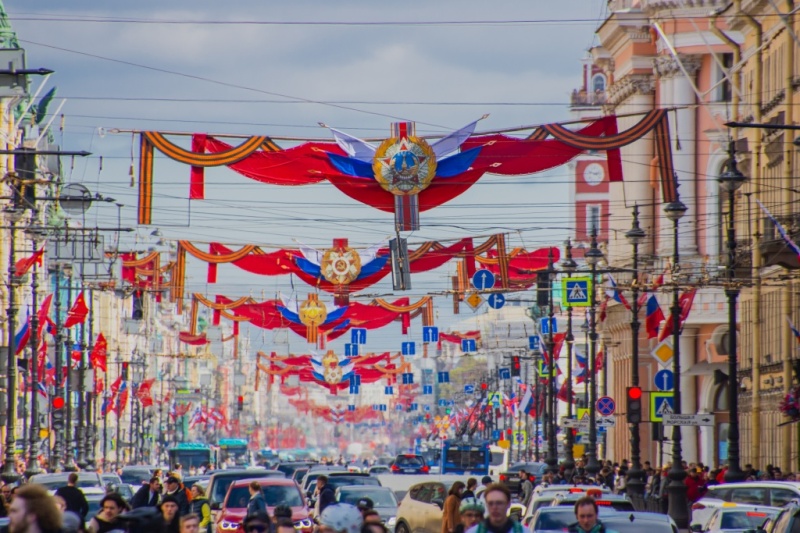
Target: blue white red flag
column 616, row 294
column 785, row 236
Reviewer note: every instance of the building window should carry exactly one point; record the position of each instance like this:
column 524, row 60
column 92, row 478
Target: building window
column 593, row 219
column 598, row 83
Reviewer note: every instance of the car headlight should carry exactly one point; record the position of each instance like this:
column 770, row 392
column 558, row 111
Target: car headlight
column 229, row 526
column 305, row 523
column 391, row 522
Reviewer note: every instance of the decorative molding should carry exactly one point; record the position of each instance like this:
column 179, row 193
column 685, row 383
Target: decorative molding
column 630, row 85
column 668, row 67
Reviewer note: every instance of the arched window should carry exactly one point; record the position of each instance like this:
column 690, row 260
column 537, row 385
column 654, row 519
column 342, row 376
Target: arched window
column 598, row 83
column 721, row 403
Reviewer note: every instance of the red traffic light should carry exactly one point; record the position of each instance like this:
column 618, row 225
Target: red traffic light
column 634, row 393
column 508, row 432
column 241, row 399
column 484, row 386
column 58, row 402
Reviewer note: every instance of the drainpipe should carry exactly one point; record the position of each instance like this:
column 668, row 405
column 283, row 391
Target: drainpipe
column 758, row 87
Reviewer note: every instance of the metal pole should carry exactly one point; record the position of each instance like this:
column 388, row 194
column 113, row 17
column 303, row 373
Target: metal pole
column 58, row 441
column 80, row 430
column 538, row 409
column 569, row 460
column 592, row 466
column 552, row 447
column 636, row 476
column 9, row 474
column 33, row 343
column 91, row 397
column 69, row 462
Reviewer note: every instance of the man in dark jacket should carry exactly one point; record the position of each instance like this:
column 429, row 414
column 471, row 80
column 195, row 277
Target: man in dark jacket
column 175, row 490
column 148, row 495
column 76, row 501
column 325, row 494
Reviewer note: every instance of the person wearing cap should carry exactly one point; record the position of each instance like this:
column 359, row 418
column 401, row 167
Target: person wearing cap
column 170, row 512
column 257, row 523
column 485, row 482
column 174, row 489
column 365, row 504
column 340, row 518
column 695, row 485
column 471, row 511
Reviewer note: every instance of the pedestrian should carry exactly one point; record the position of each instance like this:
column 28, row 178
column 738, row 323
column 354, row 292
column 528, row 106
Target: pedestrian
column 190, row 523
column 257, row 504
column 498, row 500
column 111, row 506
column 282, row 513
column 471, row 511
column 472, row 484
column 485, row 482
column 450, row 515
column 73, row 497
column 586, row 516
column 695, row 485
column 340, row 518
column 170, row 513
column 147, row 495
column 173, row 488
column 201, row 507
column 325, row 495
column 526, row 487
column 34, row 511
column 257, row 523
column 364, row 505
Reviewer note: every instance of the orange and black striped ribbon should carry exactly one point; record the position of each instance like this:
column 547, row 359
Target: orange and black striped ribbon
column 502, row 257
column 145, row 181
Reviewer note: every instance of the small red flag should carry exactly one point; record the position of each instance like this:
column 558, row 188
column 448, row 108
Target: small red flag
column 99, row 353
column 22, row 266
column 143, row 393
column 78, row 313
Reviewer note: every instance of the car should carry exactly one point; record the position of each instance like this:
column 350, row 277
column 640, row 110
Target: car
column 758, row 493
column 636, row 522
column 618, row 502
column 738, row 518
column 93, row 497
column 543, row 495
column 510, row 478
column 556, row 518
column 276, row 491
column 787, row 521
column 136, row 475
column 378, row 470
column 310, row 478
column 52, row 482
column 383, row 500
column 340, row 479
column 220, row 480
column 191, row 480
column 299, row 474
column 420, row 511
column 289, row 468
column 409, row 464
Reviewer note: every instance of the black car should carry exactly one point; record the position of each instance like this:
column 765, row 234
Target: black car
column 343, row 479
column 510, row 478
column 410, row 464
column 289, row 467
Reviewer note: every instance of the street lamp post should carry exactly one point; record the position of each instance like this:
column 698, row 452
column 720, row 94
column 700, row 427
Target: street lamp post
column 593, row 256
column 730, row 181
column 33, row 343
column 552, row 446
column 9, row 473
column 635, row 236
column 678, row 503
column 569, row 266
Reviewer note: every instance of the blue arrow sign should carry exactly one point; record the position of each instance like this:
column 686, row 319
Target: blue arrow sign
column 430, row 334
column 351, row 350
column 504, row 373
column 358, row 336
column 664, row 380
column 482, row 280
column 469, row 389
column 408, row 348
column 533, row 343
column 544, row 325
column 469, row 345
column 495, row 434
column 496, row 300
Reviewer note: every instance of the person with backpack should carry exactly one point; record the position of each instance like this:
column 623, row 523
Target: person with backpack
column 200, row 506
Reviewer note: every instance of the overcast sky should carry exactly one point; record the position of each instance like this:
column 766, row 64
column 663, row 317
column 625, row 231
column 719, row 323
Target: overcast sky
column 279, row 68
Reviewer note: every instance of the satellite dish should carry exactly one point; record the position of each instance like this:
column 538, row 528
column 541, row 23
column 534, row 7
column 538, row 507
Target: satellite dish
column 75, row 199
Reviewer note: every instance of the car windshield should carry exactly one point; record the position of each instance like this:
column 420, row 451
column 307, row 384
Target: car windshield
column 58, row 483
column 637, row 526
column 381, row 498
column 273, row 494
column 744, row 519
column 497, row 458
column 135, row 477
column 555, row 521
column 409, row 461
column 341, row 481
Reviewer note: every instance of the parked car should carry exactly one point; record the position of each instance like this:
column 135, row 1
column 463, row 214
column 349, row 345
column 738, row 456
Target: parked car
column 510, row 478
column 311, row 478
column 383, row 500
column 758, row 493
column 191, row 480
column 378, row 470
column 421, row 509
column 52, row 482
column 787, row 521
column 136, row 475
column 556, row 518
column 341, row 479
column 410, row 464
column 276, row 491
column 289, row 468
column 735, row 519
column 221, row 480
column 298, row 475
column 636, row 522
column 618, row 502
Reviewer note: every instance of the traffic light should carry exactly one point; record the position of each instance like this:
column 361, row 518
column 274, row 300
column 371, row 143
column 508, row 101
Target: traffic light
column 57, row 412
column 515, row 366
column 124, row 372
column 634, row 411
column 484, row 386
column 240, row 403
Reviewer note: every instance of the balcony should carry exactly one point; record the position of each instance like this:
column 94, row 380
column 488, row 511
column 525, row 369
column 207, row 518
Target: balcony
column 774, row 249
column 583, row 99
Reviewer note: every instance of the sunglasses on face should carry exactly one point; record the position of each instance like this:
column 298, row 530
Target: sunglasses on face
column 257, row 528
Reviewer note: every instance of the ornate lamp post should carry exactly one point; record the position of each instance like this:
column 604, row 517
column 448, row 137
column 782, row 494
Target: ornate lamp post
column 569, row 266
column 635, row 236
column 730, row 181
column 593, row 256
column 552, row 446
column 678, row 504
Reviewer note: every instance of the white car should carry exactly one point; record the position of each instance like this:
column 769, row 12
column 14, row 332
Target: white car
column 752, row 493
column 734, row 518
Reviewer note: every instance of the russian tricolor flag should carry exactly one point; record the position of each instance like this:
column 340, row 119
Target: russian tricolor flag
column 794, row 329
column 22, row 337
column 615, row 294
column 526, row 404
column 654, row 317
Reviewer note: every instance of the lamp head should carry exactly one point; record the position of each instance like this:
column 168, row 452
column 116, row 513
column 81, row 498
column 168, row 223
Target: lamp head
column 636, row 234
column 568, row 264
column 731, row 178
column 675, row 210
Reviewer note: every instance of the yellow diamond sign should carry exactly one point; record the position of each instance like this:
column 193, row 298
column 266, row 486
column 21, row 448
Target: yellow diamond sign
column 663, row 352
column 474, row 300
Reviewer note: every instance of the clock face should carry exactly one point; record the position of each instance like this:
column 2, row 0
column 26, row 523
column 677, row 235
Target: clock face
column 594, row 173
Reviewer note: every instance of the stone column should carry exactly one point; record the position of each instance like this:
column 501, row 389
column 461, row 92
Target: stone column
column 689, row 390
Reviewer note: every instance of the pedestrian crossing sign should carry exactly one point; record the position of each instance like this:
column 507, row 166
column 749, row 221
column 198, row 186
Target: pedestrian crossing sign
column 661, row 403
column 577, row 291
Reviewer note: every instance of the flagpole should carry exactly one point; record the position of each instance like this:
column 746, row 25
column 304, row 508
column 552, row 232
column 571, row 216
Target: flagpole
column 58, row 427
column 80, row 430
column 33, row 343
column 91, row 397
column 569, row 266
column 105, row 417
column 9, row 473
column 69, row 460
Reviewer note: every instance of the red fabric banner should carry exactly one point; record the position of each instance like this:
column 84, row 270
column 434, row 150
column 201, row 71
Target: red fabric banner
column 77, row 313
column 99, row 353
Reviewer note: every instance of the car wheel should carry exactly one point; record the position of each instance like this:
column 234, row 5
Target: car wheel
column 401, row 527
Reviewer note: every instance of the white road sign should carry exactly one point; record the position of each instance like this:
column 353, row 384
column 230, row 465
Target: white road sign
column 688, row 420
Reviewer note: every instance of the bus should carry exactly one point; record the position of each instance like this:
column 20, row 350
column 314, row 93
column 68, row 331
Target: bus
column 235, row 449
column 189, row 454
column 432, row 455
column 500, row 460
column 465, row 458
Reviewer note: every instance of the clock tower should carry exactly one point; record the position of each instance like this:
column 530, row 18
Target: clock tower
column 589, row 184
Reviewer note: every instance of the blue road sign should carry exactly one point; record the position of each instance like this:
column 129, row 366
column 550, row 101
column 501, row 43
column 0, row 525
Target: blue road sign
column 577, row 291
column 606, row 405
column 469, row 389
column 351, row 350
column 409, row 348
column 430, row 334
column 443, row 377
column 661, row 403
column 504, row 373
column 544, row 325
column 469, row 345
column 358, row 335
column 427, row 389
column 427, row 408
column 533, row 343
column 664, row 380
column 495, row 434
column 496, row 300
column 483, row 279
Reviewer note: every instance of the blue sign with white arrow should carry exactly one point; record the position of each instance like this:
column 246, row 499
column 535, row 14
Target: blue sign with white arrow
column 351, row 350
column 496, row 300
column 430, row 334
column 664, row 380
column 469, row 389
column 533, row 343
column 504, row 373
column 469, row 345
column 544, row 325
column 408, row 348
column 358, row 335
column 483, row 279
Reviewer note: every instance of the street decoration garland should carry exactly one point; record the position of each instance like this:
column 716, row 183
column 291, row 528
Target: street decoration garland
column 406, row 175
